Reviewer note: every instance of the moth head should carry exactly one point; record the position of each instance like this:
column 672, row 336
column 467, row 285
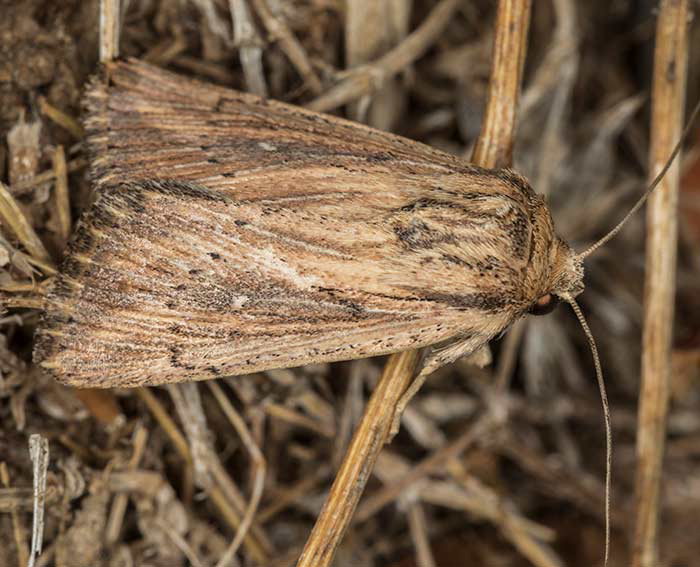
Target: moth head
column 566, row 279
column 555, row 269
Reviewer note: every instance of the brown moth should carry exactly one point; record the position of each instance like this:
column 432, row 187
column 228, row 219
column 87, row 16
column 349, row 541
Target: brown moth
column 233, row 234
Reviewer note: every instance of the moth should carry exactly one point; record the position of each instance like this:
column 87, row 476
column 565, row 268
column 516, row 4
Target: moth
column 232, row 234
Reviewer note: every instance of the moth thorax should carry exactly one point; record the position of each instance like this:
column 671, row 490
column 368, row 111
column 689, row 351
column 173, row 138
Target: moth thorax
column 567, row 271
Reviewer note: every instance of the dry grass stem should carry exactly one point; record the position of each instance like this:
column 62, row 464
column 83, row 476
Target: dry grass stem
column 530, row 538
column 358, row 463
column 368, row 78
column 250, row 50
column 39, row 455
column 62, row 196
column 23, row 187
column 564, row 52
column 371, row 29
column 18, row 529
column 418, row 526
column 61, row 118
column 283, row 413
column 19, row 302
column 103, row 406
column 494, row 146
column 116, row 513
column 509, row 357
column 258, row 470
column 280, row 32
column 183, row 546
column 109, row 29
column 377, row 500
column 288, row 496
column 668, row 101
column 15, row 220
column 218, row 496
column 188, row 404
column 569, row 484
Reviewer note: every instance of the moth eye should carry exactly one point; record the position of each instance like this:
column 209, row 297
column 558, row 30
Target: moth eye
column 544, row 305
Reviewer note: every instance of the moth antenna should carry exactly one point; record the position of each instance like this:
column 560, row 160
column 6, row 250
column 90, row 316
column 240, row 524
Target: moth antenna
column 650, row 189
column 606, row 413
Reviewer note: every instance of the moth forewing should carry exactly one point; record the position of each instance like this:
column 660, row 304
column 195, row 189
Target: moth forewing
column 231, row 234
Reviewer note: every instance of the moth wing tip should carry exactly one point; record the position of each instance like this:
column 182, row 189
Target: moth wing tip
column 46, row 351
column 56, row 370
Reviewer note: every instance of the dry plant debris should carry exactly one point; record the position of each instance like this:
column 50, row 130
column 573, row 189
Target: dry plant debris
column 501, row 465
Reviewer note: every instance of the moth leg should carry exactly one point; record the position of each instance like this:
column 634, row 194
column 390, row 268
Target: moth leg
column 436, row 358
